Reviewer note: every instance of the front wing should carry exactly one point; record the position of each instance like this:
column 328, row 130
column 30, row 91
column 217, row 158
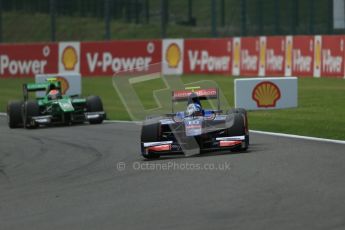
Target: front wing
column 175, row 147
column 49, row 119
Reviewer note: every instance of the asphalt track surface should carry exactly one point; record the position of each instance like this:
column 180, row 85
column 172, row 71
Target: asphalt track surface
column 67, row 178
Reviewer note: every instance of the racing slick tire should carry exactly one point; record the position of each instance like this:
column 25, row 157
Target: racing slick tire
column 14, row 114
column 30, row 109
column 239, row 127
column 149, row 133
column 94, row 104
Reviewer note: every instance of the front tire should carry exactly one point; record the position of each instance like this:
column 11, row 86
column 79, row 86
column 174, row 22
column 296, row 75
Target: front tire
column 30, row 109
column 94, row 104
column 14, row 114
column 150, row 133
column 239, row 127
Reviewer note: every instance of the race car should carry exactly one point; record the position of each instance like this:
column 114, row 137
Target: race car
column 196, row 129
column 53, row 108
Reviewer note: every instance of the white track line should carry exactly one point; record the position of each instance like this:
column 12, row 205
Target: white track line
column 252, row 131
column 124, row 122
column 298, row 137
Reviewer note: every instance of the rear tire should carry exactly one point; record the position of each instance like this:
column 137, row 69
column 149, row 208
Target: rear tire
column 30, row 109
column 94, row 104
column 150, row 133
column 14, row 114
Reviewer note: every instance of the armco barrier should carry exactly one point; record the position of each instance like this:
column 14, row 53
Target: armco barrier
column 319, row 56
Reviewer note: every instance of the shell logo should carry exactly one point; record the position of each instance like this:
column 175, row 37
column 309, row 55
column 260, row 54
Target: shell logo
column 173, row 55
column 266, row 94
column 69, row 58
column 64, row 84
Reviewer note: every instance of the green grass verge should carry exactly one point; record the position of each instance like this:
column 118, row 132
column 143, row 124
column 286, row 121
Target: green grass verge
column 321, row 110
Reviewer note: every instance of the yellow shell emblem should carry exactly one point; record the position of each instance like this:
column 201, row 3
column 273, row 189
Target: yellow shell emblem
column 237, row 51
column 69, row 58
column 266, row 94
column 318, row 54
column 173, row 55
column 288, row 54
column 64, row 84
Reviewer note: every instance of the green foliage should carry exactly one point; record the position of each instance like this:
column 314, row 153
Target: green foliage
column 84, row 20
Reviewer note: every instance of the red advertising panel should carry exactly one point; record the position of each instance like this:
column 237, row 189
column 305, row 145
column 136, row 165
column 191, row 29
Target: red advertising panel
column 275, row 53
column 27, row 60
column 250, row 51
column 332, row 56
column 109, row 58
column 302, row 56
column 212, row 56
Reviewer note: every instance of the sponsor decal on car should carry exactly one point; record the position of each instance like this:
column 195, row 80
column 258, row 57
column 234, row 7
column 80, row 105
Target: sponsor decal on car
column 183, row 94
column 193, row 127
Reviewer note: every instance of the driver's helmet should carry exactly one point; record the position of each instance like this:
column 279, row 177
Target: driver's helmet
column 54, row 94
column 193, row 109
column 193, row 105
column 193, row 98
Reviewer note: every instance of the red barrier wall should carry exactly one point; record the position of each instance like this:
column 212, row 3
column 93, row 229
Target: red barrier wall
column 332, row 56
column 275, row 56
column 27, row 60
column 248, row 56
column 107, row 58
column 207, row 56
column 303, row 56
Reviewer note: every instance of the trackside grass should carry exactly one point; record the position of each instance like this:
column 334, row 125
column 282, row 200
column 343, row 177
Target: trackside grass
column 321, row 110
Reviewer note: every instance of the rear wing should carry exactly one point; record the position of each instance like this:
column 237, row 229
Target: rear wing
column 203, row 94
column 34, row 87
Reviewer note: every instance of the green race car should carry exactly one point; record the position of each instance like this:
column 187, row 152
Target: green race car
column 53, row 108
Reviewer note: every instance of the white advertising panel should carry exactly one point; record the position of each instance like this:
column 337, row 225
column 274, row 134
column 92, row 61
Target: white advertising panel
column 172, row 56
column 70, row 83
column 266, row 93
